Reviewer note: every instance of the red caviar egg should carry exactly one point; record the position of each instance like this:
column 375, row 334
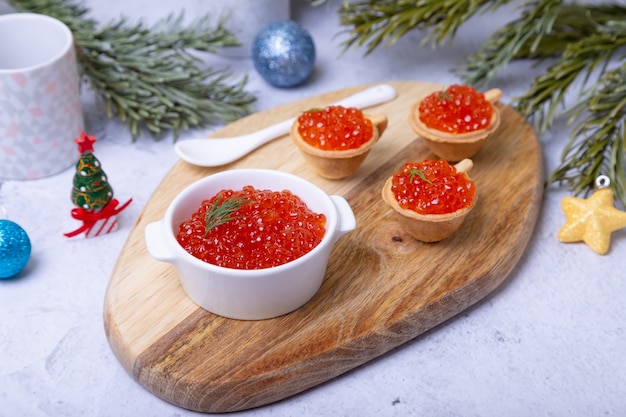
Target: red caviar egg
column 263, row 228
column 458, row 109
column 432, row 187
column 335, row 128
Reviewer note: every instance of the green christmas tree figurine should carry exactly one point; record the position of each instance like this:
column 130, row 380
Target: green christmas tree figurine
column 91, row 190
column 92, row 194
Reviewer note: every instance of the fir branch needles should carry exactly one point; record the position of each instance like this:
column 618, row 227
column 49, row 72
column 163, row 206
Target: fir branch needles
column 598, row 142
column 375, row 22
column 584, row 40
column 147, row 76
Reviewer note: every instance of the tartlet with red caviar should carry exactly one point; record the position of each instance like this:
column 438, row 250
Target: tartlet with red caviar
column 431, row 198
column 335, row 140
column 456, row 122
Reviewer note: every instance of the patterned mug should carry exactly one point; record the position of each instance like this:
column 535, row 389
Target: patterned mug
column 40, row 108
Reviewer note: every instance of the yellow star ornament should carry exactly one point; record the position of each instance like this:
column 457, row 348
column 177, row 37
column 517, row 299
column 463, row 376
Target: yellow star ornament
column 591, row 220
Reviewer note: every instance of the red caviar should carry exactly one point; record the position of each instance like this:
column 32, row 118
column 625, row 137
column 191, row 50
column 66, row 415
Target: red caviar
column 335, row 128
column 269, row 228
column 432, row 187
column 458, row 109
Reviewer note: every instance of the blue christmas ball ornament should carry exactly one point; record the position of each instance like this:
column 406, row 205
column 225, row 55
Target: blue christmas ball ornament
column 284, row 53
column 14, row 249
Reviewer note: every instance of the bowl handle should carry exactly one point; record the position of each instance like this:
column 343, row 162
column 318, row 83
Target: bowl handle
column 155, row 242
column 346, row 221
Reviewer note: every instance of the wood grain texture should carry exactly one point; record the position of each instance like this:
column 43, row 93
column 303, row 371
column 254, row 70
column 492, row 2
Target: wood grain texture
column 382, row 288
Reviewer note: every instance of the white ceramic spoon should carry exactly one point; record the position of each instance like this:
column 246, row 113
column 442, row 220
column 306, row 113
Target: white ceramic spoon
column 212, row 152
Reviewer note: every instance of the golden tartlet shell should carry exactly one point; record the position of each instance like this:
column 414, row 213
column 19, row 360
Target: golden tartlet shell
column 428, row 227
column 455, row 147
column 333, row 164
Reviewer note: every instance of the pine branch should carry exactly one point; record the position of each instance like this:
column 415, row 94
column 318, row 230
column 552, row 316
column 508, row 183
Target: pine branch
column 597, row 144
column 574, row 23
column 147, row 76
column 544, row 30
column 375, row 22
column 522, row 36
column 584, row 38
column 541, row 102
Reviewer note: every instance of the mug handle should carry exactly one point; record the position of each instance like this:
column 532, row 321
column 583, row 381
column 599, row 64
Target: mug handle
column 346, row 222
column 155, row 242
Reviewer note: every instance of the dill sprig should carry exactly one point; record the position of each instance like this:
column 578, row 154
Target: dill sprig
column 444, row 95
column 146, row 76
column 221, row 211
column 418, row 173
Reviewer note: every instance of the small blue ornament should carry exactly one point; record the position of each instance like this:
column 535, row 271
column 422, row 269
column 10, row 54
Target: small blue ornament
column 284, row 53
column 14, row 249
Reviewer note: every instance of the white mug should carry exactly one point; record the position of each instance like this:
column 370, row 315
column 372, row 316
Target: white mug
column 40, row 109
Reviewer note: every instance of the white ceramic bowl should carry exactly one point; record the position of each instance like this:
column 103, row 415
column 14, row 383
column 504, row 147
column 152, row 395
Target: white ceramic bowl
column 249, row 294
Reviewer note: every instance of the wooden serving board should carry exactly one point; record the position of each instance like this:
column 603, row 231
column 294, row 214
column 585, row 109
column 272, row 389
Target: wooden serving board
column 382, row 288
